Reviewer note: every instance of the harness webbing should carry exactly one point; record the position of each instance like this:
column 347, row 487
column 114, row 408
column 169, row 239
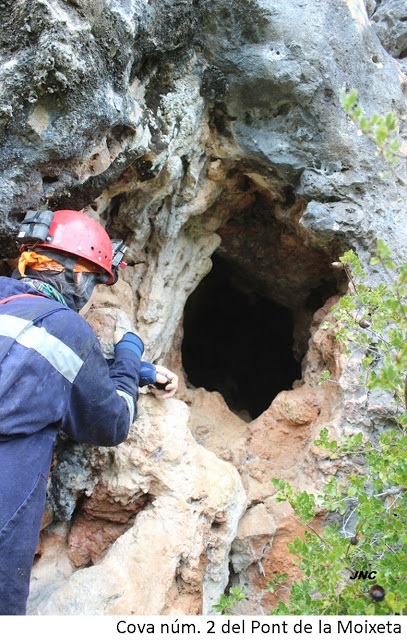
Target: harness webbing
column 22, row 329
column 18, row 295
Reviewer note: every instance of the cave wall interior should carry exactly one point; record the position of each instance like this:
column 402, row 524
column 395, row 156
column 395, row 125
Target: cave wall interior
column 202, row 133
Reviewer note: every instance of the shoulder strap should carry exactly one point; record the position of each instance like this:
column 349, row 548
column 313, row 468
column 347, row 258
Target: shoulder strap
column 18, row 295
column 30, row 313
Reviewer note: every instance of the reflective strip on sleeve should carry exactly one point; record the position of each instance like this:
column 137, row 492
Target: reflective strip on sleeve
column 58, row 354
column 130, row 403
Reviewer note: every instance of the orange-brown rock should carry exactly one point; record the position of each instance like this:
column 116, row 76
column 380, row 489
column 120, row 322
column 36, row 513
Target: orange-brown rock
column 298, row 407
column 217, row 428
column 102, row 504
column 100, row 521
column 89, row 539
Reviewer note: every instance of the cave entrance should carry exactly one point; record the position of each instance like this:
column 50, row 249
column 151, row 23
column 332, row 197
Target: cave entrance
column 237, row 342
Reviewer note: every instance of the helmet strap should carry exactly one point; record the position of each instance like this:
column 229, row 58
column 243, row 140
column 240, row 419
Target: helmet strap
column 69, row 263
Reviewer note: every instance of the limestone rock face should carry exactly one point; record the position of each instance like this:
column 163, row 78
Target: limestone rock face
column 154, row 516
column 167, row 526
column 389, row 19
column 210, row 137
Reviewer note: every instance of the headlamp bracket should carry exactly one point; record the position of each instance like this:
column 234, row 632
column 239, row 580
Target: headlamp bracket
column 35, row 226
column 118, row 249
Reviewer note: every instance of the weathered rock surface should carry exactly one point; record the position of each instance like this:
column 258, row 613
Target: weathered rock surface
column 389, row 21
column 192, row 130
column 173, row 558
column 162, row 515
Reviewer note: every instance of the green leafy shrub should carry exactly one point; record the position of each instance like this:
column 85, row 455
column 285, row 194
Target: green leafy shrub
column 382, row 130
column 367, row 503
column 226, row 603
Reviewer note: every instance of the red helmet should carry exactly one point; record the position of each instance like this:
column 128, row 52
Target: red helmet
column 77, row 233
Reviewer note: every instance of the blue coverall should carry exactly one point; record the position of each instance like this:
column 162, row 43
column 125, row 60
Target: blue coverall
column 52, row 376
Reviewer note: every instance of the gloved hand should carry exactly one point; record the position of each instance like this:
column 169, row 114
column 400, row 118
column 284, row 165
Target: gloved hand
column 130, row 346
column 163, row 383
column 148, row 374
column 167, row 377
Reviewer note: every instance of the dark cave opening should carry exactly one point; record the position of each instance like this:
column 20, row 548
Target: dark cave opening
column 237, row 342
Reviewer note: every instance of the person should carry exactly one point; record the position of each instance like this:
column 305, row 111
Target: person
column 53, row 375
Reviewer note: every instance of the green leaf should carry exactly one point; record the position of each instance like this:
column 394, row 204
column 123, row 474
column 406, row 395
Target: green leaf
column 369, row 494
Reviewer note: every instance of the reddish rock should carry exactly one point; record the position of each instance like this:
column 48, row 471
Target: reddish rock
column 89, row 539
column 298, row 407
column 101, row 520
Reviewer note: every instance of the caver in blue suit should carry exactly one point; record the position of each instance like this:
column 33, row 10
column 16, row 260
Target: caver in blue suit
column 52, row 376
